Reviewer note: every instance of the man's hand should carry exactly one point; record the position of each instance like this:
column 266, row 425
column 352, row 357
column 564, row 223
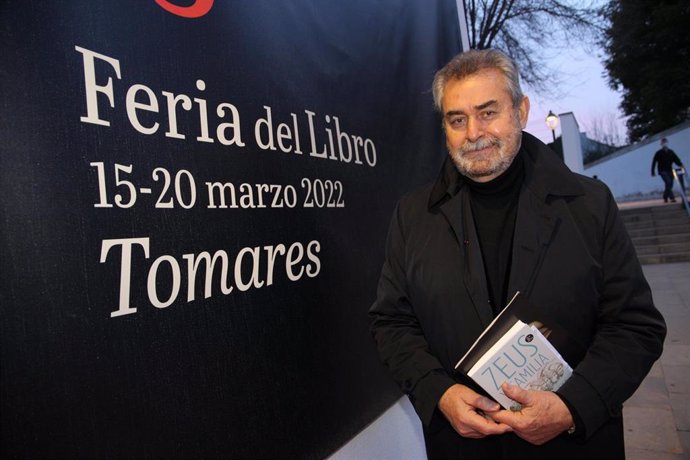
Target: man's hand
column 543, row 415
column 468, row 412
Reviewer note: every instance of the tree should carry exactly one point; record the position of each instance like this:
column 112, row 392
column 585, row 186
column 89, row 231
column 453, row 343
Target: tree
column 648, row 48
column 523, row 29
column 604, row 129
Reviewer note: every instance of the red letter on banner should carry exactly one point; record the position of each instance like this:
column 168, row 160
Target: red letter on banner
column 198, row 9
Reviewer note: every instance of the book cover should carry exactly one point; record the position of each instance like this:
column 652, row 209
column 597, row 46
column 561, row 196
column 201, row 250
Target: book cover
column 515, row 351
column 523, row 357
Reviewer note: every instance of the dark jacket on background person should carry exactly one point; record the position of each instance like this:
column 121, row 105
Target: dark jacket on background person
column 664, row 160
column 571, row 257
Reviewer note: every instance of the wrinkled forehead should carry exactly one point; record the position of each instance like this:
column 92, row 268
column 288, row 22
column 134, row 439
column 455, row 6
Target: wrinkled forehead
column 476, row 90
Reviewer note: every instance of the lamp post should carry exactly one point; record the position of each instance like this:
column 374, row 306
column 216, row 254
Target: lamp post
column 552, row 123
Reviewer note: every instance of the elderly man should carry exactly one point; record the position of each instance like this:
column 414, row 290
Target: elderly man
column 506, row 215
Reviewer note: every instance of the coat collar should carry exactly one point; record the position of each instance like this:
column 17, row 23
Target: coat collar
column 536, row 223
column 545, row 174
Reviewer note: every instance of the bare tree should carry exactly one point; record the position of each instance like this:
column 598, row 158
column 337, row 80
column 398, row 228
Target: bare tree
column 604, row 128
column 524, row 29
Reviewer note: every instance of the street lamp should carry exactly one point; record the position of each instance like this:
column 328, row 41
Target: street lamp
column 552, row 123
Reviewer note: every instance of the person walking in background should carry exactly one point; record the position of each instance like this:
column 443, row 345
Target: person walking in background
column 664, row 159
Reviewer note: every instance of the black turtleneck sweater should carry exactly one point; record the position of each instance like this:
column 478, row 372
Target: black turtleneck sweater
column 494, row 208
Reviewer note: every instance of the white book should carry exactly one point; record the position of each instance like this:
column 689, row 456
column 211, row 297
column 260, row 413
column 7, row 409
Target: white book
column 513, row 351
column 523, row 357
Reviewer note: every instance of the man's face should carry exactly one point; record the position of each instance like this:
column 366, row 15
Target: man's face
column 483, row 129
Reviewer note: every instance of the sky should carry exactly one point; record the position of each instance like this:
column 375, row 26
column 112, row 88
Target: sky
column 584, row 92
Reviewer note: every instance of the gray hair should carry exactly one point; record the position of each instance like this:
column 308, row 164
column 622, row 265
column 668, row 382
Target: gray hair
column 471, row 62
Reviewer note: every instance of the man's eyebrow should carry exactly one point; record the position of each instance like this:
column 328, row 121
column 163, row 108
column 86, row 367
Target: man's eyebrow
column 481, row 106
column 486, row 104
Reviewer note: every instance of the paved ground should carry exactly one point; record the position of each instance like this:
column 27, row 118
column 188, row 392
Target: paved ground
column 657, row 417
column 648, row 203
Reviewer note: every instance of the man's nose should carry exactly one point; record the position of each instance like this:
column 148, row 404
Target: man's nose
column 474, row 129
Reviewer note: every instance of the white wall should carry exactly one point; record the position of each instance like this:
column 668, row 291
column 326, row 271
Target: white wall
column 627, row 172
column 395, row 435
column 570, row 140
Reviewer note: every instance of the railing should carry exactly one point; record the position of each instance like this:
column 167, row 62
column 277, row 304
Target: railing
column 679, row 176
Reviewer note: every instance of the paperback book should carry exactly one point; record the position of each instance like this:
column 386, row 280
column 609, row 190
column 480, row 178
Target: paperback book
column 517, row 352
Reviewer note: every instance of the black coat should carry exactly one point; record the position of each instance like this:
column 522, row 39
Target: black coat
column 571, row 256
column 665, row 158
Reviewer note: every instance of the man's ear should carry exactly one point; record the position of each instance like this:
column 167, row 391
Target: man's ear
column 523, row 111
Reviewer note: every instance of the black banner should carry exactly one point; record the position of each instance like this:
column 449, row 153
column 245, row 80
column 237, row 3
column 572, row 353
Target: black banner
column 194, row 198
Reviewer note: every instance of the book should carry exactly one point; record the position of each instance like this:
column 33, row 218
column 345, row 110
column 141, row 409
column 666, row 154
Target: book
column 514, row 349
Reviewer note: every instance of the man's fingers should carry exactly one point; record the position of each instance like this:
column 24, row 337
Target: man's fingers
column 485, row 425
column 473, row 435
column 516, row 393
column 486, row 404
column 543, row 417
column 466, row 409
